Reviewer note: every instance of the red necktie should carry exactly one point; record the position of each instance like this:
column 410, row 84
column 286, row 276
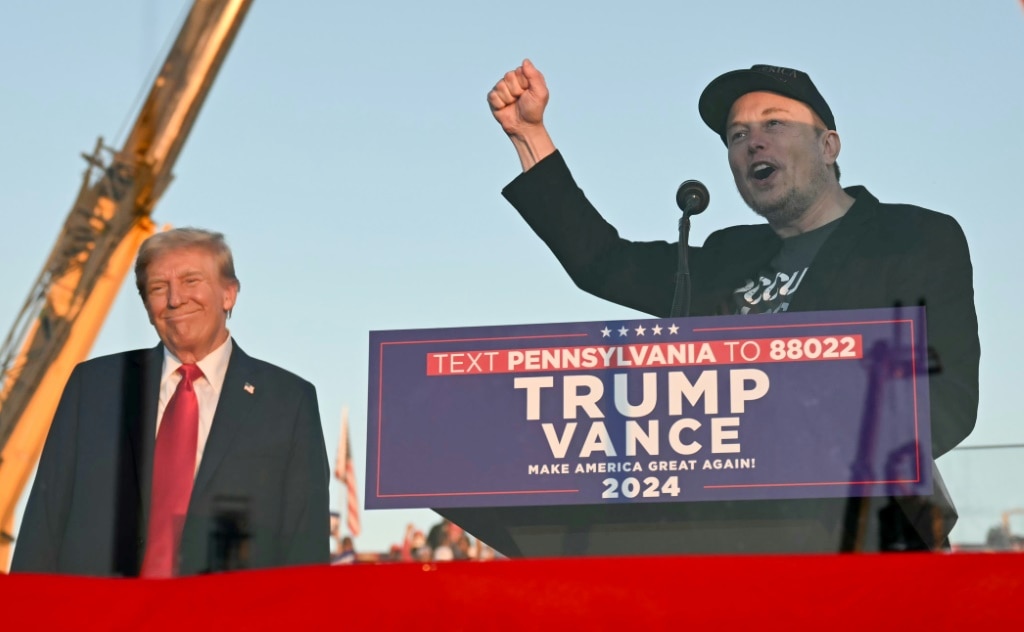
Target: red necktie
column 174, row 466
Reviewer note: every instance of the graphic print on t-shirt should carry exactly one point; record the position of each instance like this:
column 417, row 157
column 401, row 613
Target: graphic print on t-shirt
column 772, row 288
column 771, row 292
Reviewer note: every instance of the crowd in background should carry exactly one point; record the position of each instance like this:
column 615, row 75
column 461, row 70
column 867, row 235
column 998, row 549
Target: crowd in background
column 445, row 541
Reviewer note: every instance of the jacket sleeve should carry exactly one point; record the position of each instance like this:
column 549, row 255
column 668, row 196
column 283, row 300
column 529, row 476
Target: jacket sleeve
column 953, row 345
column 638, row 275
column 40, row 538
column 306, row 516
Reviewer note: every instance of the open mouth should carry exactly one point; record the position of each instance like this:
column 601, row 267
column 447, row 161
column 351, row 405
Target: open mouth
column 762, row 171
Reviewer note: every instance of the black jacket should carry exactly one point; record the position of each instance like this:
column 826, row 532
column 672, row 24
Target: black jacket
column 879, row 256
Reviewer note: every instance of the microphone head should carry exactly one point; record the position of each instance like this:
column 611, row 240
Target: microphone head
column 692, row 197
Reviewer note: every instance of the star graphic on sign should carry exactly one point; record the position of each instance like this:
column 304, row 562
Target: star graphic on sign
column 623, row 331
column 640, row 330
column 656, row 330
column 673, row 329
column 606, row 332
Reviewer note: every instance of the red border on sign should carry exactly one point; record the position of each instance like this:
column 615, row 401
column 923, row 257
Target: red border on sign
column 752, row 327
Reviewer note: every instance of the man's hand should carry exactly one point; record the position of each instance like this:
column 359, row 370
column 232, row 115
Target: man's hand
column 517, row 103
column 519, row 99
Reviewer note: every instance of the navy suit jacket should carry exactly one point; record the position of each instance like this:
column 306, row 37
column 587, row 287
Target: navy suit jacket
column 264, row 464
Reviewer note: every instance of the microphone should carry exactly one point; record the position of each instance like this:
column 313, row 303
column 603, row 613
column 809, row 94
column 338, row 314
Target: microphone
column 692, row 197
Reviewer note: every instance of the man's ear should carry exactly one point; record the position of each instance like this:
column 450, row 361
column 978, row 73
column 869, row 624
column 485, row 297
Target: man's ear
column 830, row 145
column 230, row 296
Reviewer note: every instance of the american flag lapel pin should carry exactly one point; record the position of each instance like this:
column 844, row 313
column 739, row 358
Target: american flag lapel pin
column 249, row 388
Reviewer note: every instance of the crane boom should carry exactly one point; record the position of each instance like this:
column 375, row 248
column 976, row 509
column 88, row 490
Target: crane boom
column 110, row 218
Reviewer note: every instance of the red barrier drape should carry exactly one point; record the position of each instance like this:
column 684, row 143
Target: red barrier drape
column 848, row 592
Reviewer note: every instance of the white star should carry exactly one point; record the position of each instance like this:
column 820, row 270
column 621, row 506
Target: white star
column 656, row 330
column 606, row 332
column 673, row 329
column 640, row 330
column 623, row 331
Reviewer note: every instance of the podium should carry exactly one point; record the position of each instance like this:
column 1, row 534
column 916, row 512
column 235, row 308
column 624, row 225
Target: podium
column 793, row 433
column 830, row 525
column 658, row 529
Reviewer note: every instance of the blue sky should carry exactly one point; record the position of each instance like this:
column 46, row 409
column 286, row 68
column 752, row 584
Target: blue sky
column 347, row 152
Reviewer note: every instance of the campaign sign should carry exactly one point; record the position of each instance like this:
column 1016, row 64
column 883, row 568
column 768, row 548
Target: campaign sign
column 802, row 405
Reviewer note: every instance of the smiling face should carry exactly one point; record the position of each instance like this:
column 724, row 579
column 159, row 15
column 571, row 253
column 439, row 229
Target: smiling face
column 781, row 156
column 188, row 301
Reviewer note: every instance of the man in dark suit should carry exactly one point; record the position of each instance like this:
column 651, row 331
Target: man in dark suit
column 185, row 458
column 823, row 247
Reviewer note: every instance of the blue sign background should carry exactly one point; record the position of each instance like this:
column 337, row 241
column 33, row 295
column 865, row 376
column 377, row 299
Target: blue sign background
column 831, row 428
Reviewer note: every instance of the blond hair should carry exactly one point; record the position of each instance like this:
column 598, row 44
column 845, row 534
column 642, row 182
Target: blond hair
column 180, row 238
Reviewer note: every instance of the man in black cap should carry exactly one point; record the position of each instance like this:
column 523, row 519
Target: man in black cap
column 823, row 247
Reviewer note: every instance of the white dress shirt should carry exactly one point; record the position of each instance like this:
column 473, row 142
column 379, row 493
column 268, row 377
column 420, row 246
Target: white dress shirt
column 214, row 366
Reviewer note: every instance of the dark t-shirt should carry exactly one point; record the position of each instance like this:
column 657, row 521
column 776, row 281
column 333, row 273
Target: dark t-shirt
column 773, row 287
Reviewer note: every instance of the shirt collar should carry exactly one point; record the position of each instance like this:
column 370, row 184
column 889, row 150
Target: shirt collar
column 214, row 366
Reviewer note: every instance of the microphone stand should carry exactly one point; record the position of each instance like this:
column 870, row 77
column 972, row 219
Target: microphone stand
column 681, row 299
column 691, row 198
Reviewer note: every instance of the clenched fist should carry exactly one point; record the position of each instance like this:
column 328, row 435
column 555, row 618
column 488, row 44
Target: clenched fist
column 519, row 99
column 517, row 103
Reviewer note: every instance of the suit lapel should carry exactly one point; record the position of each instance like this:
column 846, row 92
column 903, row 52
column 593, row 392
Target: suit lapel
column 822, row 282
column 234, row 409
column 141, row 421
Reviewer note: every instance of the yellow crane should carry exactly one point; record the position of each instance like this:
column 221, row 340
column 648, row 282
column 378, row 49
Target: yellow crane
column 110, row 218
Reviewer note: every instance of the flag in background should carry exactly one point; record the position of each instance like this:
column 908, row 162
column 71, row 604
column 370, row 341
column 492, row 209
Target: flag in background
column 345, row 472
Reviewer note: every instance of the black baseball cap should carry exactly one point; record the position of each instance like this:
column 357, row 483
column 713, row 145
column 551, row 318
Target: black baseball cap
column 717, row 99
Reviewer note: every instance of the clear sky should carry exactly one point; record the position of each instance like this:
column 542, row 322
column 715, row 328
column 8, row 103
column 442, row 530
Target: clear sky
column 348, row 153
